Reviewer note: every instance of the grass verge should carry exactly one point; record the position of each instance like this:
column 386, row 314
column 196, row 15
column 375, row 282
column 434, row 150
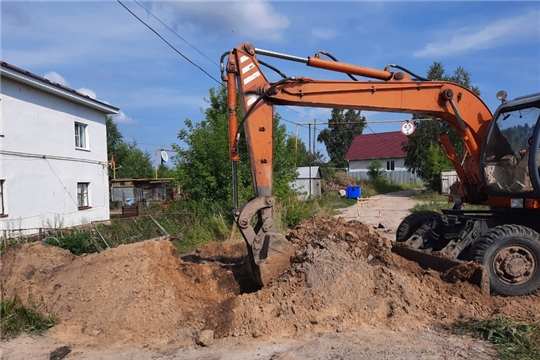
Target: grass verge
column 435, row 202
column 18, row 319
column 513, row 339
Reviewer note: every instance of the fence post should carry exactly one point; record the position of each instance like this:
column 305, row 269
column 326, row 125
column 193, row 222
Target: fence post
column 5, row 239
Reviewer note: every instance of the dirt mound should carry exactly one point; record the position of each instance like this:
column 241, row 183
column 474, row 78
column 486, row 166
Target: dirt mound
column 343, row 276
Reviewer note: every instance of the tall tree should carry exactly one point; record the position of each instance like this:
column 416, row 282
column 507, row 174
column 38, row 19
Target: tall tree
column 303, row 157
column 203, row 166
column 424, row 155
column 130, row 162
column 114, row 136
column 343, row 126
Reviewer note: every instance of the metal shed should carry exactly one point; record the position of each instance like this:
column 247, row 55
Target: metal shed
column 308, row 182
column 448, row 178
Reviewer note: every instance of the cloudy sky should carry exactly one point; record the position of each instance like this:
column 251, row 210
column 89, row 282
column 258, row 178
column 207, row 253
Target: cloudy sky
column 100, row 49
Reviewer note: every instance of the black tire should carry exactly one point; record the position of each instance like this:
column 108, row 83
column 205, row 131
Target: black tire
column 511, row 256
column 411, row 223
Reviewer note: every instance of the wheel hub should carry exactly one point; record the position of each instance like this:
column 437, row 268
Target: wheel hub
column 515, row 265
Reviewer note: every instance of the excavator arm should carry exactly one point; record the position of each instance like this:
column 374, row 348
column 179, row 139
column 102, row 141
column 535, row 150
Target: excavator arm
column 391, row 92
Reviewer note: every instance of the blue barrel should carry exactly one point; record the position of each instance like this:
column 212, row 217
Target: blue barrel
column 354, row 192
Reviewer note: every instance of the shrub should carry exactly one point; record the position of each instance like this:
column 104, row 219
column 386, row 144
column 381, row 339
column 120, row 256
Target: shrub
column 77, row 242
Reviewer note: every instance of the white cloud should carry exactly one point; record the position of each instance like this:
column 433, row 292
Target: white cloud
column 56, row 78
column 91, row 94
column 501, row 32
column 254, row 19
column 122, row 118
column 324, row 34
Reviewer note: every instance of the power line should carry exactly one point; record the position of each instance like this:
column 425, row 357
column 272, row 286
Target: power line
column 166, row 42
column 174, row 32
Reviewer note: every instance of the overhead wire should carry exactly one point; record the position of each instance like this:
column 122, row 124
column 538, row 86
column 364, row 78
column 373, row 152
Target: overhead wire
column 166, row 42
column 284, row 78
column 174, row 32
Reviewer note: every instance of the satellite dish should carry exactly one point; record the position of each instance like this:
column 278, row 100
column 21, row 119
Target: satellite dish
column 164, row 156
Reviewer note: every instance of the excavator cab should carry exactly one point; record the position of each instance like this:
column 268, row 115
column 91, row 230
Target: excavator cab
column 511, row 156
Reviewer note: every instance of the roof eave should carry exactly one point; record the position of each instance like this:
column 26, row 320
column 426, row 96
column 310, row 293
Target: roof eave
column 53, row 89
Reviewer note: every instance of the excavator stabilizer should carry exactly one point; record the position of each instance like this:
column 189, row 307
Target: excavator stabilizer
column 452, row 270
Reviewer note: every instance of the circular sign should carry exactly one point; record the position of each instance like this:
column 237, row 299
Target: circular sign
column 164, row 156
column 407, row 128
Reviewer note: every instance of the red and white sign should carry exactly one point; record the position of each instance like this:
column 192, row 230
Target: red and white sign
column 407, row 128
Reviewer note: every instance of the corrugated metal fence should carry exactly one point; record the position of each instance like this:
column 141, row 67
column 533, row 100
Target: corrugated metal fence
column 397, row 176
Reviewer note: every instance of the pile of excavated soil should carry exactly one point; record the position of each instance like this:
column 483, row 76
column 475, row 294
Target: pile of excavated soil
column 343, row 276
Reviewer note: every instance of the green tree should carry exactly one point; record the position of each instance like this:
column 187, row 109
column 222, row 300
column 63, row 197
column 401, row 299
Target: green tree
column 343, row 126
column 424, row 155
column 203, row 167
column 114, row 136
column 302, row 155
column 132, row 162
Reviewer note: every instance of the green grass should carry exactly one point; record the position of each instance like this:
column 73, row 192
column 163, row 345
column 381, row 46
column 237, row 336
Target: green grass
column 18, row 319
column 513, row 339
column 435, row 202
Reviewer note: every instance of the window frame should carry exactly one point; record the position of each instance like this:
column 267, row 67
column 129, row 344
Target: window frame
column 3, row 212
column 83, row 197
column 81, row 140
column 390, row 165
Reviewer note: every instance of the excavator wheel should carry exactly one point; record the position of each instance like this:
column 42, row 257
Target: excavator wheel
column 511, row 256
column 412, row 223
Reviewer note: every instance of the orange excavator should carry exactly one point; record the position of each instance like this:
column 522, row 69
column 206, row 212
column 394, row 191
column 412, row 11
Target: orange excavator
column 499, row 168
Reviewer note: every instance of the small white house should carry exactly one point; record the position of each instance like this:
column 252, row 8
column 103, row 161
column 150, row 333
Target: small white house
column 308, row 182
column 385, row 147
column 53, row 153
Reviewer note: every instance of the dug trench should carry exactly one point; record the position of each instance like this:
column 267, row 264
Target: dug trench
column 343, row 277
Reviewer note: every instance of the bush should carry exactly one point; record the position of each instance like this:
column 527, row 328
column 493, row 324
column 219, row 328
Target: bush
column 291, row 211
column 376, row 172
column 77, row 242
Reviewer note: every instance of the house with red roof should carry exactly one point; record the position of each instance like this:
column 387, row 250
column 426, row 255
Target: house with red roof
column 385, row 147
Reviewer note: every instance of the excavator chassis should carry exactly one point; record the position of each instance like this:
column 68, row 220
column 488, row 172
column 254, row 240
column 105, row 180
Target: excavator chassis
column 499, row 248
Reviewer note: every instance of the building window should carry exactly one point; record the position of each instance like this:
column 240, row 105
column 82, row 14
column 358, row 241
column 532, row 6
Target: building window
column 81, row 136
column 390, row 165
column 1, row 111
column 82, row 196
column 3, row 212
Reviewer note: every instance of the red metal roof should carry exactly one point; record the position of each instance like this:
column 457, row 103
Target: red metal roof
column 376, row 146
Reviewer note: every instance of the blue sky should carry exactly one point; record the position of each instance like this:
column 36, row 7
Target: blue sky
column 99, row 48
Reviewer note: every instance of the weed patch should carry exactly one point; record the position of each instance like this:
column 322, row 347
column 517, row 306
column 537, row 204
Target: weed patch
column 18, row 319
column 514, row 340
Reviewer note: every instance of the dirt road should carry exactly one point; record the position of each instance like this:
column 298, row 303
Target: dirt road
column 383, row 212
column 141, row 302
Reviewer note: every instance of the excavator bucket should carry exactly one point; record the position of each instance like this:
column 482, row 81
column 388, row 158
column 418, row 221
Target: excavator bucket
column 273, row 258
column 452, row 270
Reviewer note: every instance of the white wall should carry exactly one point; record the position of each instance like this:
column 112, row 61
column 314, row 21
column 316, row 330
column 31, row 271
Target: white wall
column 302, row 187
column 358, row 169
column 362, row 165
column 40, row 164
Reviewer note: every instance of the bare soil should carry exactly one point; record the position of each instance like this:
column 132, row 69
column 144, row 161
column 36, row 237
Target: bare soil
column 345, row 296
